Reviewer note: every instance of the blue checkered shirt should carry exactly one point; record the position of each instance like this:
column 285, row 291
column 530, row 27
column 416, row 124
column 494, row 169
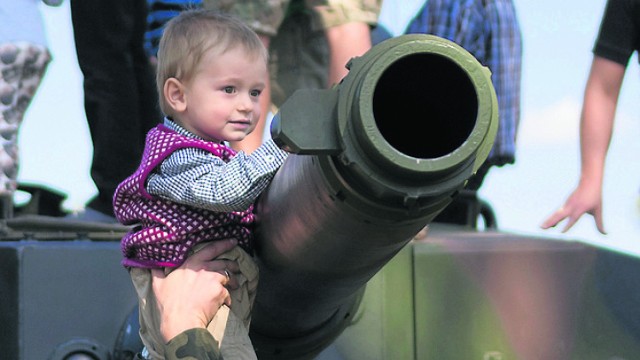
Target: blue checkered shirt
column 489, row 30
column 195, row 177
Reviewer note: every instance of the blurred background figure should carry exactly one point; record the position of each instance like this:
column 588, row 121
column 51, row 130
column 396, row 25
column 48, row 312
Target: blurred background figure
column 316, row 40
column 120, row 99
column 618, row 39
column 24, row 57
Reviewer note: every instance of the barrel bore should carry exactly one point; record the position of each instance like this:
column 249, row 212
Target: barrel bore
column 439, row 106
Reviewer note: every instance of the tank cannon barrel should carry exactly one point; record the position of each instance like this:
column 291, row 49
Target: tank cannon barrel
column 374, row 160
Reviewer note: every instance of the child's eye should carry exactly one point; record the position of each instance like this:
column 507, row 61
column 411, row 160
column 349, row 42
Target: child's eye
column 229, row 89
column 255, row 93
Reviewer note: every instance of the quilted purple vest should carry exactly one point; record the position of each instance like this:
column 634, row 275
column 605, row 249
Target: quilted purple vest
column 167, row 230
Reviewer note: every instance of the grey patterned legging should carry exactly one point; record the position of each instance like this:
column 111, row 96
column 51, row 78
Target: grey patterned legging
column 22, row 66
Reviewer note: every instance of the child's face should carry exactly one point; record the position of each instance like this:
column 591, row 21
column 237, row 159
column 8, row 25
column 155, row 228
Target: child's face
column 222, row 99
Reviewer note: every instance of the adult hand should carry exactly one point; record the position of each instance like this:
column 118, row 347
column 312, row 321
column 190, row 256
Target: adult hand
column 190, row 295
column 207, row 259
column 582, row 200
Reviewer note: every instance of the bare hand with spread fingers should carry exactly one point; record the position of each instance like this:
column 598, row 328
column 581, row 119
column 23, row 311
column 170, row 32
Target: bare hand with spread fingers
column 583, row 200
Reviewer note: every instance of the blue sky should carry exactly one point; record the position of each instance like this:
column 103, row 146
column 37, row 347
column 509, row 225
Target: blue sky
column 558, row 36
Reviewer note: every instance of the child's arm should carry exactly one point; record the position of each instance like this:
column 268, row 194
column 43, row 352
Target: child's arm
column 196, row 177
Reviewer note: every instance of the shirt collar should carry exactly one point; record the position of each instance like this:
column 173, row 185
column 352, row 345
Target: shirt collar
column 182, row 131
column 179, row 129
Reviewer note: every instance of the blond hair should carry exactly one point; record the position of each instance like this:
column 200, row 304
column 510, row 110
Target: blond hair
column 193, row 33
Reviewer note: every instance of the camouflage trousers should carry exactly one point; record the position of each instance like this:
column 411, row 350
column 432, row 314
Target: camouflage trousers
column 22, row 66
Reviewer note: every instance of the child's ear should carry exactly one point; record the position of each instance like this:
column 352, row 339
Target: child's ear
column 174, row 94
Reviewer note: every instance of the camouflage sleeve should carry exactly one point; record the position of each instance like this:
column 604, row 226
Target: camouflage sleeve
column 339, row 12
column 193, row 344
column 262, row 16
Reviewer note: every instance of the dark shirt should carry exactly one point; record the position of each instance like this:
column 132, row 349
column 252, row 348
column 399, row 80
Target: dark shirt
column 619, row 34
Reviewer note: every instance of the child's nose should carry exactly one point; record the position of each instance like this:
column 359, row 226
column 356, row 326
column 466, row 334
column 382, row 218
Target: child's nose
column 245, row 102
